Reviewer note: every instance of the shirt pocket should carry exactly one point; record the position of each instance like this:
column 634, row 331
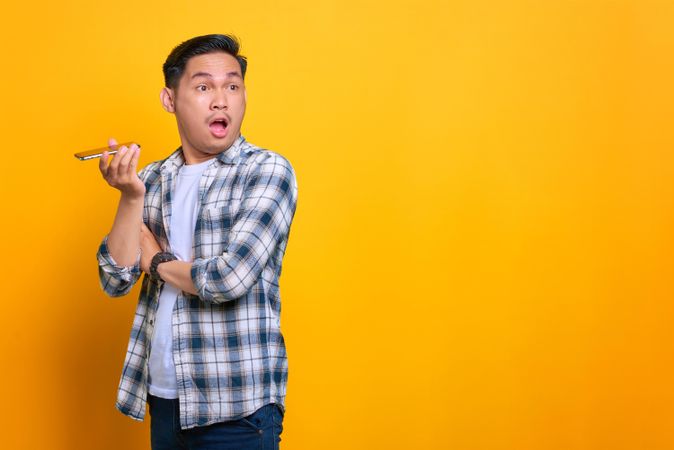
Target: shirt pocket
column 213, row 230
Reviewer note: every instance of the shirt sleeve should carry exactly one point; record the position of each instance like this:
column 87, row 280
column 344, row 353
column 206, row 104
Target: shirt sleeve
column 264, row 219
column 117, row 280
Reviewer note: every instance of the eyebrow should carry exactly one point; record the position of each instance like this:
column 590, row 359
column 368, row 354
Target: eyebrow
column 206, row 74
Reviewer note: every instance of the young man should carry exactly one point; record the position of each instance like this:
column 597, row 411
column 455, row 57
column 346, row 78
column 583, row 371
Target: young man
column 209, row 226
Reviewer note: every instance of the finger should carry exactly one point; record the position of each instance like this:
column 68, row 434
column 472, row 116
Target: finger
column 125, row 160
column 125, row 163
column 113, row 172
column 114, row 147
column 114, row 165
column 133, row 165
column 134, row 160
column 103, row 163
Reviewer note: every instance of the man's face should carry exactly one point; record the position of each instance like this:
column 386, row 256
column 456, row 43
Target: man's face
column 209, row 105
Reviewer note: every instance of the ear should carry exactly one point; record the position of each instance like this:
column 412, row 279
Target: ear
column 167, row 99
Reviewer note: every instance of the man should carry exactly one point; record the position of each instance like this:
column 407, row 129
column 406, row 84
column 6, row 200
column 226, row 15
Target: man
column 209, row 226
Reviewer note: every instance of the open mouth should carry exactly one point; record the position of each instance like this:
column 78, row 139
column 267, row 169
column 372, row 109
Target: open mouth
column 219, row 126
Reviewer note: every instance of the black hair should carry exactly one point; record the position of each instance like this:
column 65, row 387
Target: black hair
column 200, row 45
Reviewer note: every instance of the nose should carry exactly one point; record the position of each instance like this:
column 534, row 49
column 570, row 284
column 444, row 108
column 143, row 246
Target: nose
column 219, row 101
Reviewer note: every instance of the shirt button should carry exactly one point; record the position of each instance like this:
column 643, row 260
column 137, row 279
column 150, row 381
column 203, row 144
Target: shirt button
column 259, row 431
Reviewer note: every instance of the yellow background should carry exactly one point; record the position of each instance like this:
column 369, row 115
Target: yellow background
column 482, row 252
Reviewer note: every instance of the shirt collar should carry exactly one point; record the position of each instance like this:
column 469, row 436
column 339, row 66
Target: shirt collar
column 230, row 156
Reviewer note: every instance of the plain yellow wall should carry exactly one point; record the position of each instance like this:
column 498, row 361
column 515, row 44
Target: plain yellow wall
column 482, row 252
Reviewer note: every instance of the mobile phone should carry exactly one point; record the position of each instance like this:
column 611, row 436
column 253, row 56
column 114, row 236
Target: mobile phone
column 98, row 152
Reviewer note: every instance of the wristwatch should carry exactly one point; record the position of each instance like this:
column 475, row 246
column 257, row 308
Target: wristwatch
column 160, row 257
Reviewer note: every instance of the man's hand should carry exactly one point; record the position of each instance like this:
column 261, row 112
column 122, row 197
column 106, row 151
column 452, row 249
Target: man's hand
column 148, row 248
column 121, row 172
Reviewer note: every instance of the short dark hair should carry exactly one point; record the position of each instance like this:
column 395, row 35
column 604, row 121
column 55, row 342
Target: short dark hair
column 200, row 45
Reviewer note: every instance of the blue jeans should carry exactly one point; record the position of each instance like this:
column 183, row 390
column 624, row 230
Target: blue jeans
column 259, row 431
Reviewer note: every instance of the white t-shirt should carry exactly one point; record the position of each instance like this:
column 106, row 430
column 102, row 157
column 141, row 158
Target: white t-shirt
column 162, row 377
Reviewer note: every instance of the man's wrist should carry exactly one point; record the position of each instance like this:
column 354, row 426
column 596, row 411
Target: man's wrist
column 132, row 198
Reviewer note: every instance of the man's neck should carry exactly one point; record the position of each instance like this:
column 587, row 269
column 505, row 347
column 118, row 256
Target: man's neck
column 195, row 156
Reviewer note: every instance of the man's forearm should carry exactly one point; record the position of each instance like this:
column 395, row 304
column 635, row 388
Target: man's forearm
column 177, row 273
column 124, row 238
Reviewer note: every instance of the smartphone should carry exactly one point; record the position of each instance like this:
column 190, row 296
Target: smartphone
column 98, row 152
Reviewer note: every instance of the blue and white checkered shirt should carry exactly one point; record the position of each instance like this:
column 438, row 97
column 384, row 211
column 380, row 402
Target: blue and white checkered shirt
column 228, row 349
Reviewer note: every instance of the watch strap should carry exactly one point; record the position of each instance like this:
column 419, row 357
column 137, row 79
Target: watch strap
column 160, row 257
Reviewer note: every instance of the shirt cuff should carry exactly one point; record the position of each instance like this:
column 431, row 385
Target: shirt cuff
column 109, row 265
column 198, row 274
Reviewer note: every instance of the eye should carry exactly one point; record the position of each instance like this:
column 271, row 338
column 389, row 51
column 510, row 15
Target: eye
column 233, row 87
column 202, row 88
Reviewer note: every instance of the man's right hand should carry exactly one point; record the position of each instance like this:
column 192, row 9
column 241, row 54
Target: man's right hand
column 121, row 172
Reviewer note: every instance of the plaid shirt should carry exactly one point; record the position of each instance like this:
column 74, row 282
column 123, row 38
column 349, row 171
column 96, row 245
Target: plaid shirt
column 228, row 349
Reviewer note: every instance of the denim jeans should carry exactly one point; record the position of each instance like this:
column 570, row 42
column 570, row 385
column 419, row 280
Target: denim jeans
column 259, row 431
